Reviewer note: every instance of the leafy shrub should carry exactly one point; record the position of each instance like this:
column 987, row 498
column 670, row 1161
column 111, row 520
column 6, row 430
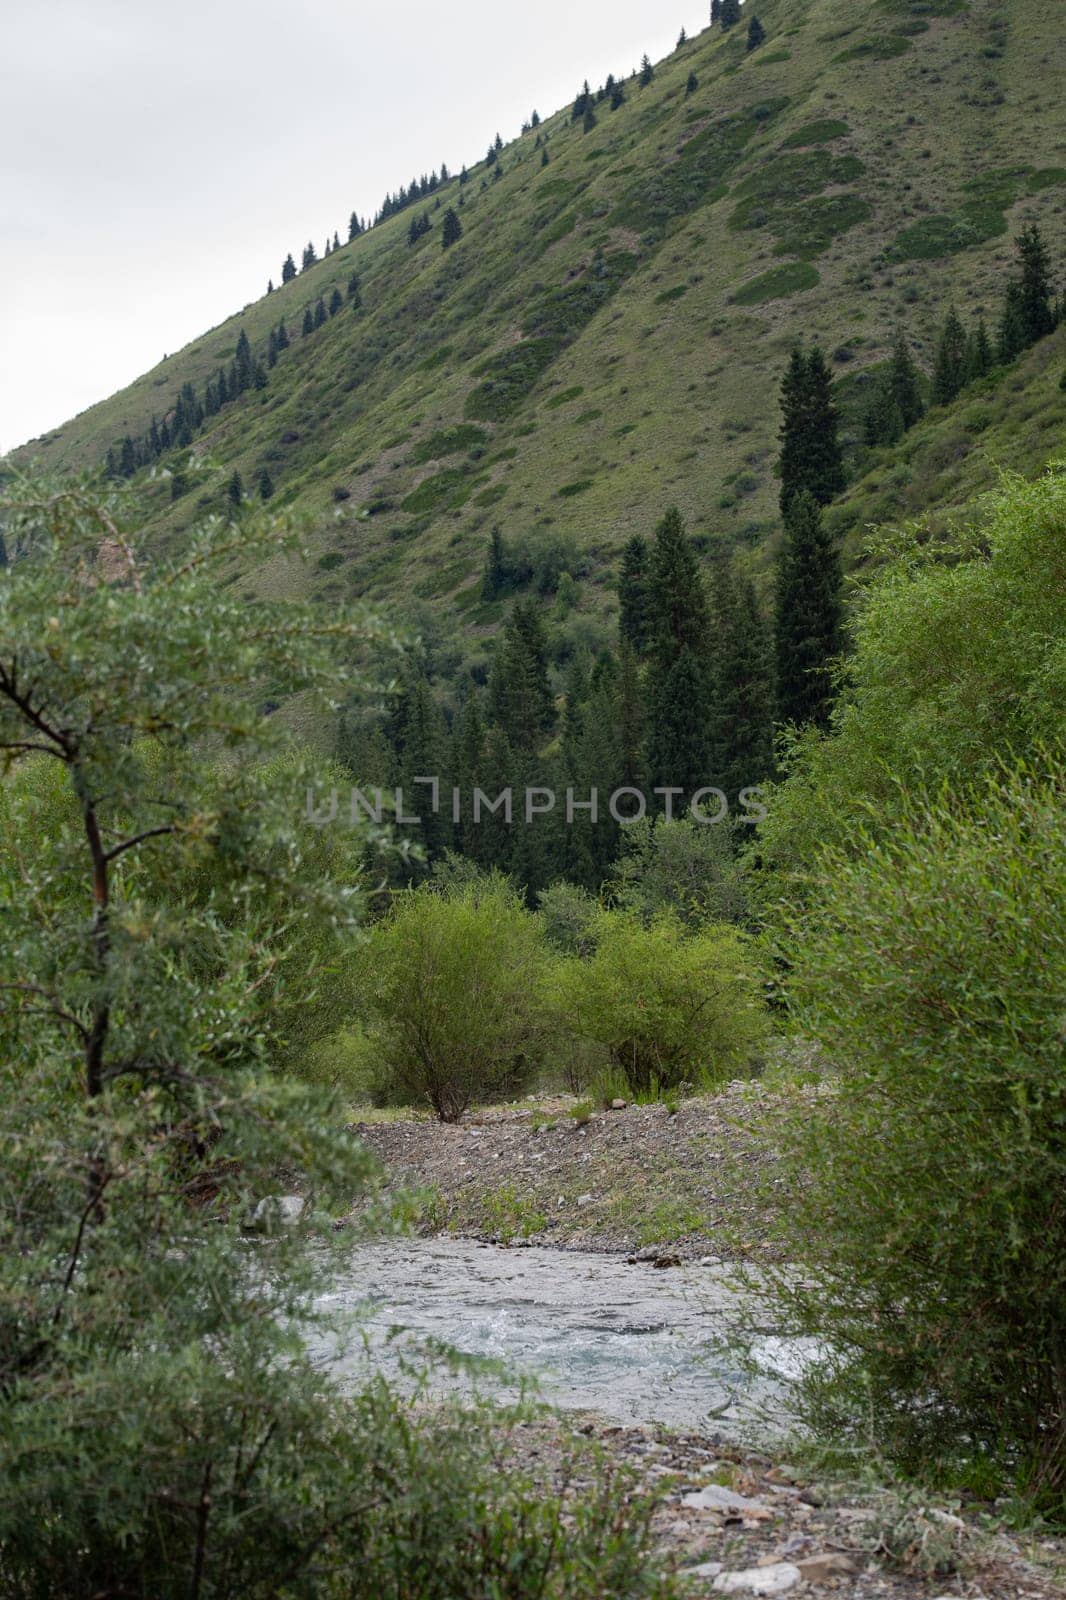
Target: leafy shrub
column 452, row 995
column 664, row 1007
column 959, row 661
column 567, row 913
column 928, row 1190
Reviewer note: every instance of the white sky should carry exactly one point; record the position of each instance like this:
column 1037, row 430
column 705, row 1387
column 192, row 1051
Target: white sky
column 158, row 158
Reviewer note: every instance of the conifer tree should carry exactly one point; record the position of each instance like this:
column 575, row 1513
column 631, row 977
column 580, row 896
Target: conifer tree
column 354, row 291
column 244, row 364
column 452, row 231
column 309, row 256
column 811, row 456
column 950, row 361
column 633, row 595
column 520, row 695
column 353, row 227
column 270, row 286
column 288, row 269
column 259, row 376
column 497, row 576
column 905, row 382
column 756, row 34
column 235, row 489
column 336, row 241
column 320, row 313
column 283, row 337
column 693, row 84
column 589, row 120
column 979, row 357
column 678, row 688
column 729, row 15
column 336, row 302
column 682, row 39
column 883, row 421
column 809, row 615
column 744, row 693
column 716, row 12
column 647, row 72
column 534, row 121
column 582, row 103
column 222, row 386
column 272, row 348
column 266, row 486
column 1037, row 299
column 308, row 322
column 618, row 95
column 1013, row 327
column 545, row 158
column 127, row 464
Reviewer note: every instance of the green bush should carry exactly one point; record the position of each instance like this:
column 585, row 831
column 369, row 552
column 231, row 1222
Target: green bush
column 960, row 660
column 451, row 993
column 664, row 1007
column 927, row 1184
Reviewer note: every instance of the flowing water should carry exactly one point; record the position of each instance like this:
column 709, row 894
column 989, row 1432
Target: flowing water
column 630, row 1341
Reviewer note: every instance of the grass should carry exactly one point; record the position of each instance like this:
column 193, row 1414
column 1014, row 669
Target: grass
column 637, row 274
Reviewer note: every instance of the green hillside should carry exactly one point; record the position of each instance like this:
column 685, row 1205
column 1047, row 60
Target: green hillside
column 608, row 335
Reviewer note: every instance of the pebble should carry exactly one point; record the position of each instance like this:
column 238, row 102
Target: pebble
column 778, row 1579
column 715, row 1498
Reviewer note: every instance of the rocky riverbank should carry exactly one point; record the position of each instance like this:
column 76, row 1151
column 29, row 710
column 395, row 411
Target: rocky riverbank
column 670, row 1184
column 730, row 1521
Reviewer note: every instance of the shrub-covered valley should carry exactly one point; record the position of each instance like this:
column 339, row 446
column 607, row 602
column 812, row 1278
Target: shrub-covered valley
column 546, row 729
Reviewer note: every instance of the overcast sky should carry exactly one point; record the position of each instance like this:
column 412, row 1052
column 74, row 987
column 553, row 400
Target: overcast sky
column 159, row 157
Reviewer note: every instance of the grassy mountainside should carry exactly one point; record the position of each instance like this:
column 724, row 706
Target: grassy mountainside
column 609, row 333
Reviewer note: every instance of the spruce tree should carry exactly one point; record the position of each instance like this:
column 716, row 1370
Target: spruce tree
column 353, row 227
column 235, row 489
column 309, row 256
column 618, row 96
column 756, row 34
column 744, row 694
column 266, row 486
column 452, row 230
column 589, row 121
column 883, row 420
column 950, row 361
column 647, row 72
column 320, row 313
column 811, row 456
column 308, row 322
column 270, row 286
column 497, row 575
column 336, row 302
column 244, row 363
column 693, row 84
column 272, row 348
column 905, row 383
column 716, row 12
column 682, row 39
column 545, row 159
column 127, row 463
column 1013, row 326
column 633, row 595
column 520, row 694
column 1037, row 291
column 979, row 357
column 678, row 687
column 288, row 269
column 354, row 293
column 729, row 15
column 809, row 615
column 283, row 337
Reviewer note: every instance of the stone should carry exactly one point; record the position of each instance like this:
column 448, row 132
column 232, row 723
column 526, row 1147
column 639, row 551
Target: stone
column 618, row 1105
column 584, row 1199
column 278, row 1211
column 708, row 1569
column 823, row 1568
column 715, row 1498
column 778, row 1579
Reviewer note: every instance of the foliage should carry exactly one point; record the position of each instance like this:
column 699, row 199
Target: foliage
column 665, row 1006
column 959, row 661
column 451, row 993
column 680, row 867
column 927, row 1202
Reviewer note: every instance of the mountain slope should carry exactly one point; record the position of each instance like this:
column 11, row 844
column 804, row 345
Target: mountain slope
column 608, row 334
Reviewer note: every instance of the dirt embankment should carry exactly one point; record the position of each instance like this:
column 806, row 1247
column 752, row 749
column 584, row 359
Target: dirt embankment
column 633, row 1179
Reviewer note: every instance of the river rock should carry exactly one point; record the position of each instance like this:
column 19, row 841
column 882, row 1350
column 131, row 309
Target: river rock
column 278, row 1211
column 778, row 1579
column 707, row 1569
column 618, row 1105
column 823, row 1568
column 715, row 1498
